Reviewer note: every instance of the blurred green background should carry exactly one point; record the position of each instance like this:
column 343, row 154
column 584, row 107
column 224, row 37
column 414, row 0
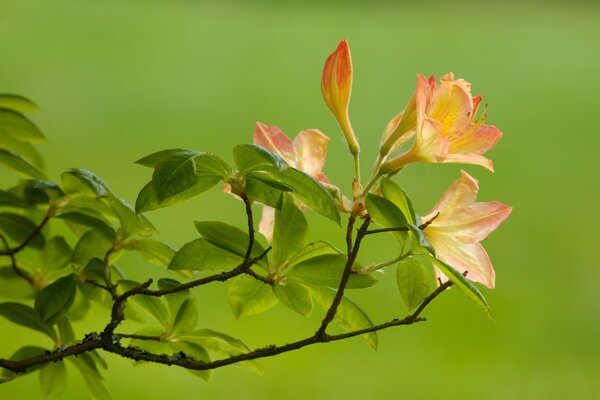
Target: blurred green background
column 117, row 80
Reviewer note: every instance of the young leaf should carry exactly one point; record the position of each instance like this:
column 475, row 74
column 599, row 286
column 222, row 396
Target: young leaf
column 349, row 315
column 19, row 126
column 251, row 157
column 394, row 193
column 386, row 214
column 152, row 250
column 18, row 163
column 16, row 103
column 53, row 380
column 202, row 255
column 148, row 201
column 18, row 228
column 24, row 315
column 311, row 193
column 327, row 270
column 465, row 286
column 186, row 318
column 295, row 297
column 55, row 299
column 413, row 280
column 290, row 232
column 248, row 296
column 227, row 237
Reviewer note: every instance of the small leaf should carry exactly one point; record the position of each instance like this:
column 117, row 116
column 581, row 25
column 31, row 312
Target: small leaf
column 55, row 299
column 311, row 193
column 295, row 297
column 248, row 296
column 152, row 250
column 394, row 193
column 227, row 237
column 186, row 317
column 17, row 103
column 148, row 201
column 349, row 315
column 327, row 270
column 18, row 228
column 19, row 126
column 131, row 223
column 386, row 214
column 79, row 180
column 290, row 232
column 465, row 286
column 16, row 162
column 413, row 280
column 53, row 380
column 251, row 157
column 202, row 255
column 23, row 315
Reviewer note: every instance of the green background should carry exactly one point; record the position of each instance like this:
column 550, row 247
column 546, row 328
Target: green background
column 117, row 80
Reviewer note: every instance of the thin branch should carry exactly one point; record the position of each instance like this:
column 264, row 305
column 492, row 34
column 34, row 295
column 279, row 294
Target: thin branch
column 13, row 261
column 28, row 239
column 402, row 228
column 138, row 337
column 258, row 277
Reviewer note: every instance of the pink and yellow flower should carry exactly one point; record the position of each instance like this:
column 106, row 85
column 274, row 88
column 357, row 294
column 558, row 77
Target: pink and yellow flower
column 461, row 224
column 442, row 120
column 306, row 152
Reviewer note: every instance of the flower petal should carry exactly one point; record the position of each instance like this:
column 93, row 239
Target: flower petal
column 475, row 221
column 311, row 150
column 463, row 191
column 273, row 139
column 451, row 104
column 267, row 223
column 482, row 140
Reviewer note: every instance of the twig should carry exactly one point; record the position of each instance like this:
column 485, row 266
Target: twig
column 402, row 228
column 13, row 261
column 11, row 251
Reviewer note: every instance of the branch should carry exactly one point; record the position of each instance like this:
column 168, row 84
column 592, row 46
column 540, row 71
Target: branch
column 402, row 228
column 13, row 261
column 12, row 251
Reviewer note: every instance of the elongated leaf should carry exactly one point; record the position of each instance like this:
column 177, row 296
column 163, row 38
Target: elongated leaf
column 19, row 126
column 227, row 237
column 327, row 270
column 24, row 315
column 148, row 201
column 16, row 102
column 394, row 193
column 248, row 296
column 349, row 315
column 202, row 255
column 16, row 162
column 131, row 223
column 465, row 286
column 294, row 296
column 57, row 254
column 259, row 191
column 186, row 318
column 18, row 228
column 251, row 157
column 24, row 149
column 55, row 299
column 210, row 165
column 152, row 250
column 312, row 250
column 269, row 180
column 290, row 232
column 387, row 215
column 93, row 380
column 53, row 380
column 92, row 244
column 413, row 280
column 96, row 222
column 311, row 193
column 153, row 159
column 152, row 306
column 79, row 180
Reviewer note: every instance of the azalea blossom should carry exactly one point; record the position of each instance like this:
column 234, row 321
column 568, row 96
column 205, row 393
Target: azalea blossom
column 306, row 152
column 442, row 120
column 461, row 224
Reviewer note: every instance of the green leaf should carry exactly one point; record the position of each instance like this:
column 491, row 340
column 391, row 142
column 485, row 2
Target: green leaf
column 53, row 380
column 93, row 380
column 13, row 286
column 465, row 286
column 65, row 331
column 131, row 223
column 202, row 255
column 290, row 232
column 57, row 254
column 195, row 351
column 186, row 318
column 24, row 353
column 349, row 315
column 24, row 149
column 153, row 159
column 55, row 299
column 17, row 103
column 19, row 126
column 18, row 228
column 327, row 270
column 96, row 222
column 420, row 240
column 394, row 193
column 248, row 296
column 92, row 244
column 174, row 300
column 259, row 191
column 227, row 237
column 152, row 306
column 413, row 280
column 386, row 214
column 294, row 296
column 251, row 157
column 23, row 315
column 152, row 250
column 311, row 193
column 312, row 250
column 148, row 201
column 211, row 165
column 16, row 162
column 269, row 180
column 174, row 174
column 79, row 180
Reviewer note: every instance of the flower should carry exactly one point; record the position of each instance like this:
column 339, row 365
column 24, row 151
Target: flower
column 336, row 87
column 442, row 120
column 461, row 224
column 306, row 152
